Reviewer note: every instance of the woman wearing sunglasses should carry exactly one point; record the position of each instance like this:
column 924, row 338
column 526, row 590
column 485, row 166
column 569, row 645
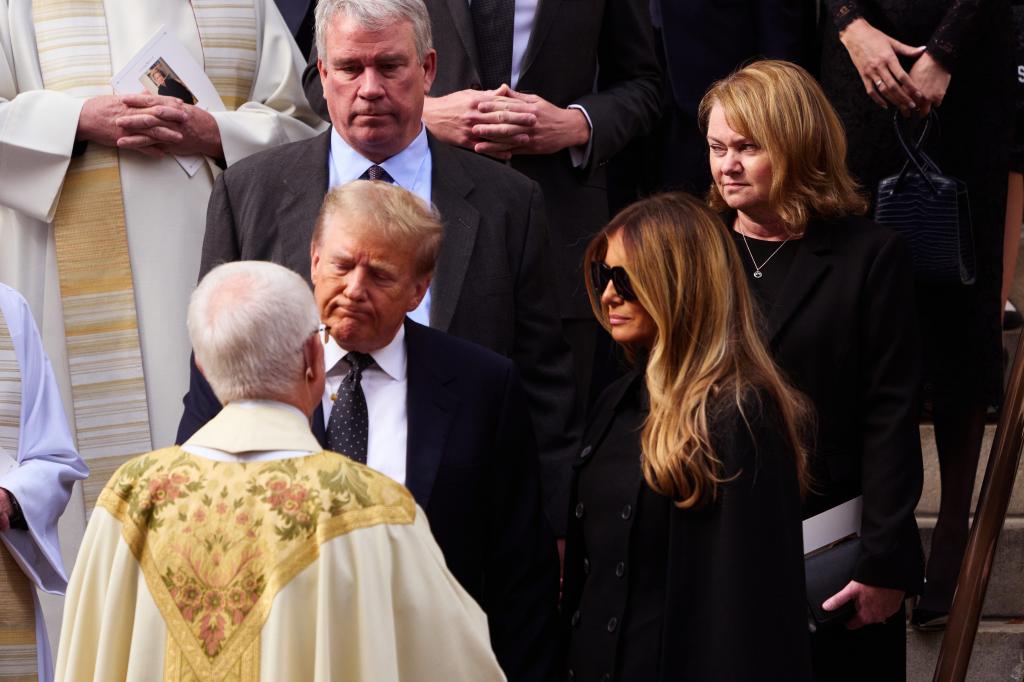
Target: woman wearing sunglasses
column 684, row 550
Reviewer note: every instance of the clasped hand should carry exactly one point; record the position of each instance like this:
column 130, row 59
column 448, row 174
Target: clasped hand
column 504, row 122
column 153, row 125
column 876, row 58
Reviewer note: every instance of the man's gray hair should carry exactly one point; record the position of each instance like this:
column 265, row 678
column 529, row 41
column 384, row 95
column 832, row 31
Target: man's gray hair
column 376, row 15
column 247, row 322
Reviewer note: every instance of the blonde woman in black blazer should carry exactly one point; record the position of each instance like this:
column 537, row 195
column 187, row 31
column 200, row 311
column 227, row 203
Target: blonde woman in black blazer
column 836, row 293
column 683, row 553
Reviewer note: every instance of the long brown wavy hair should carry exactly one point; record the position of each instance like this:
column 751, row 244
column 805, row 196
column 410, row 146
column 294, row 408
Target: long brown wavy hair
column 707, row 351
column 781, row 107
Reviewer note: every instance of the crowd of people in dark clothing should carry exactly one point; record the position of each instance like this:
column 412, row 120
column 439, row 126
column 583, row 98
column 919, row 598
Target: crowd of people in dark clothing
column 648, row 325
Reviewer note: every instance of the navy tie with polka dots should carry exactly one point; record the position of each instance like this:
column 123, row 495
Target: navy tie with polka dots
column 348, row 427
column 375, row 172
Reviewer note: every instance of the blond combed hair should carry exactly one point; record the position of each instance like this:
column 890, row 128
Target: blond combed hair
column 707, row 354
column 782, row 108
column 391, row 211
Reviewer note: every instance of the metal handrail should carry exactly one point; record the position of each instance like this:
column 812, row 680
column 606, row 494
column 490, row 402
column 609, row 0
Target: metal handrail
column 1004, row 458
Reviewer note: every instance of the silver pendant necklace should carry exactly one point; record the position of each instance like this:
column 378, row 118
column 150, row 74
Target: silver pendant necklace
column 757, row 268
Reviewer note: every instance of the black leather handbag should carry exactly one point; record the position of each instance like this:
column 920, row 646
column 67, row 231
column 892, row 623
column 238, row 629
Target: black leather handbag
column 826, row 572
column 932, row 212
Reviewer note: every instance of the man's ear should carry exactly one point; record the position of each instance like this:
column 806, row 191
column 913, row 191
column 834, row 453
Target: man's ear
column 429, row 70
column 314, row 262
column 313, row 354
column 421, row 287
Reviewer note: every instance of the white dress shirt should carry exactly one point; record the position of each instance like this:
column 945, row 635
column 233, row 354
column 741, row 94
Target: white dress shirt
column 409, row 168
column 385, row 388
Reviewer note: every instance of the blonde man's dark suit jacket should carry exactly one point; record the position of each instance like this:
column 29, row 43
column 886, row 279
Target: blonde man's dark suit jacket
column 492, row 284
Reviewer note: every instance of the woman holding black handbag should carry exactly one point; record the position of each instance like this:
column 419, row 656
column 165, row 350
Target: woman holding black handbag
column 835, row 290
column 952, row 57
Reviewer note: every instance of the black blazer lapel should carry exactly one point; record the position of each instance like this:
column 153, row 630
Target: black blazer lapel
column 450, row 185
column 602, row 420
column 304, row 178
column 430, row 409
column 545, row 17
column 459, row 9
column 809, row 266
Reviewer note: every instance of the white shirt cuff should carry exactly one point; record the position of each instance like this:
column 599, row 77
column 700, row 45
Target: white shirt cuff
column 580, row 154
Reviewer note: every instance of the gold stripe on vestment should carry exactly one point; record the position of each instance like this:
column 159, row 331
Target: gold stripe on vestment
column 17, row 622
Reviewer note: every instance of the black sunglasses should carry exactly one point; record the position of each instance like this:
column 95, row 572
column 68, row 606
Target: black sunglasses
column 601, row 274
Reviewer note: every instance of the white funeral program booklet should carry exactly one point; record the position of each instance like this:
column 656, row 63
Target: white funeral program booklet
column 164, row 67
column 835, row 524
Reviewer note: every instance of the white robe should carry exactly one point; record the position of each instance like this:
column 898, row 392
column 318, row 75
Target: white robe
column 47, row 467
column 375, row 603
column 165, row 210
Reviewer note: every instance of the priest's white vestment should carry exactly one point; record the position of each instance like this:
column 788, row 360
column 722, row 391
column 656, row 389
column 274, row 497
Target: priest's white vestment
column 165, row 209
column 264, row 558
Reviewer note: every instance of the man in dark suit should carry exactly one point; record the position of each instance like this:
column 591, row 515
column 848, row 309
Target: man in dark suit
column 493, row 283
column 702, row 42
column 443, row 416
column 522, row 83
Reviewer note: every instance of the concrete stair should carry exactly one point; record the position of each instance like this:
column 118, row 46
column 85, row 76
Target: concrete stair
column 999, row 645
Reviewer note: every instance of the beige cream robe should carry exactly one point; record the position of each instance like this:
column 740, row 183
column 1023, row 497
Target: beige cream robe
column 370, row 598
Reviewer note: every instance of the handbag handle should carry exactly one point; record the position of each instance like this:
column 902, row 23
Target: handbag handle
column 914, row 154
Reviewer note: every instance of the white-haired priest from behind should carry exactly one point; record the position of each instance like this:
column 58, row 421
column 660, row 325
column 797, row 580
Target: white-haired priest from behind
column 38, row 466
column 249, row 553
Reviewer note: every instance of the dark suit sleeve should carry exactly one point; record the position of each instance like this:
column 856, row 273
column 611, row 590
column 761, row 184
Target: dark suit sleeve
column 891, row 472
column 221, row 242
column 628, row 98
column 201, row 405
column 521, row 575
column 313, row 87
column 543, row 357
column 779, row 28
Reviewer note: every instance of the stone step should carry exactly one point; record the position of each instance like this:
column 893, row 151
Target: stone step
column 929, row 503
column 1005, row 595
column 998, row 653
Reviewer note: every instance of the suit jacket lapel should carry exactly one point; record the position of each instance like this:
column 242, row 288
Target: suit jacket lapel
column 304, row 178
column 809, row 266
column 542, row 22
column 317, row 425
column 599, row 425
column 450, row 185
column 459, row 9
column 430, row 409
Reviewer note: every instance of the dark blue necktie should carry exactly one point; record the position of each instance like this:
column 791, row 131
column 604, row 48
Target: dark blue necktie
column 492, row 27
column 375, row 172
column 348, row 427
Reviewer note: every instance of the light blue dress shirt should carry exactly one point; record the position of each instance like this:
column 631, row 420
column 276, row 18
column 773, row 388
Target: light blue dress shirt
column 410, row 168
